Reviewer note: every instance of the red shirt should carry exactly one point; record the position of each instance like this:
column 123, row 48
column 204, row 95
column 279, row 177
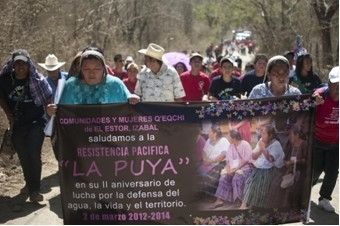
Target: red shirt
column 130, row 85
column 215, row 73
column 327, row 120
column 120, row 75
column 195, row 86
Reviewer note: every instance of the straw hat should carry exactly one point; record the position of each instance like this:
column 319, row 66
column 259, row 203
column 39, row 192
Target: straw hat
column 51, row 63
column 154, row 51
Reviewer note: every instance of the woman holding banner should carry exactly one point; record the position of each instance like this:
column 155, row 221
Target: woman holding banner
column 93, row 85
column 277, row 74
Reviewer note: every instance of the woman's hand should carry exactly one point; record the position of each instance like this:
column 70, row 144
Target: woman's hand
column 51, row 109
column 134, row 99
column 262, row 146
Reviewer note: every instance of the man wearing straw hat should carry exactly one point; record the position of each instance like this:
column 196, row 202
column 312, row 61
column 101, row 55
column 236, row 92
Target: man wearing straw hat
column 158, row 81
column 52, row 67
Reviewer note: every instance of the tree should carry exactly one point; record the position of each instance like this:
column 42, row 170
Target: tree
column 324, row 11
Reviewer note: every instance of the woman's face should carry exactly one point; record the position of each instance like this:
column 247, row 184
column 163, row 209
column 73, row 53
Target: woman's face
column 260, row 66
column 307, row 64
column 132, row 72
column 93, row 71
column 179, row 68
column 279, row 76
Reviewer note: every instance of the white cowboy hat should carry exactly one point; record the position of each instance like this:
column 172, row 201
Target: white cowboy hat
column 154, row 51
column 51, row 63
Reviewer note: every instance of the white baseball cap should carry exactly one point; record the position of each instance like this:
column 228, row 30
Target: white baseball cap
column 334, row 74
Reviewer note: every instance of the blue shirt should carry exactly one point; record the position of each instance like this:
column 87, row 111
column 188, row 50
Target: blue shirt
column 62, row 75
column 111, row 90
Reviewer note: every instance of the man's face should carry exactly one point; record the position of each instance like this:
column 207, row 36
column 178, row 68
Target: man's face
column 54, row 75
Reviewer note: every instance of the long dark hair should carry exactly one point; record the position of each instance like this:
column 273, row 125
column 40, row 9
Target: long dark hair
column 299, row 64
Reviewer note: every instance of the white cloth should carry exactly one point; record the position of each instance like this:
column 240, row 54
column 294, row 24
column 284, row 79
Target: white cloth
column 49, row 126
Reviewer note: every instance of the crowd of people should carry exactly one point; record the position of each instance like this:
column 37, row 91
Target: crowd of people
column 28, row 100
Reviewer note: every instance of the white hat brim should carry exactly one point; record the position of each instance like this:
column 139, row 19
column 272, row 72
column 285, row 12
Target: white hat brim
column 145, row 52
column 51, row 67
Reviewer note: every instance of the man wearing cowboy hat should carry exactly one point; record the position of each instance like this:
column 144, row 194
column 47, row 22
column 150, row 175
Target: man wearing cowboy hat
column 52, row 67
column 158, row 82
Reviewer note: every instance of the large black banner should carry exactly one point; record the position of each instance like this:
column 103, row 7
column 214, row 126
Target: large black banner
column 144, row 163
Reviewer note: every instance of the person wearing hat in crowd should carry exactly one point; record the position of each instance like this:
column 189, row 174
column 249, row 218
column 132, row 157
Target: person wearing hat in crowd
column 226, row 86
column 326, row 138
column 119, row 70
column 158, row 81
column 52, row 67
column 131, row 81
column 195, row 82
column 23, row 96
column 128, row 61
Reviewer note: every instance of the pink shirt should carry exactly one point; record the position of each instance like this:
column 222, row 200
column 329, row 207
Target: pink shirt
column 237, row 154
